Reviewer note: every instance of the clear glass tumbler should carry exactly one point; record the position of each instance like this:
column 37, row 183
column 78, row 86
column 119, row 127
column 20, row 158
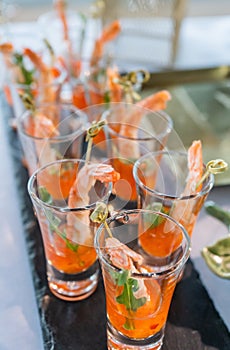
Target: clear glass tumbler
column 51, row 133
column 139, row 286
column 161, row 178
column 64, row 194
column 133, row 131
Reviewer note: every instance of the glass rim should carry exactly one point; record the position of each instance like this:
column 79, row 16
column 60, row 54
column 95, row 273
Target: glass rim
column 208, row 186
column 55, row 139
column 66, row 209
column 158, row 136
column 163, row 272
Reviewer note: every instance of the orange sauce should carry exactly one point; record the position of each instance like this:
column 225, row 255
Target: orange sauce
column 66, row 260
column 79, row 99
column 126, row 187
column 58, row 183
column 148, row 319
column 160, row 241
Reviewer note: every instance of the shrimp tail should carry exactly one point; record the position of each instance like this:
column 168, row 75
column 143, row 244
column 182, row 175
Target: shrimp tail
column 109, row 33
column 195, row 165
column 157, row 101
column 60, row 6
column 35, row 59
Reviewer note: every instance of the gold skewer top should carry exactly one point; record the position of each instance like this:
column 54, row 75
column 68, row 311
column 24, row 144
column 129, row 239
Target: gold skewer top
column 94, row 129
column 27, row 101
column 100, row 214
column 130, row 79
column 216, row 166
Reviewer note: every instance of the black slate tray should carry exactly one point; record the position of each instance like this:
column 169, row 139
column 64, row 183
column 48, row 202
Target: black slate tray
column 193, row 323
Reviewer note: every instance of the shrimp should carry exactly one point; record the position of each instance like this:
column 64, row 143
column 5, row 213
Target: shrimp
column 44, row 127
column 157, row 101
column 109, row 33
column 132, row 120
column 114, row 88
column 79, row 198
column 195, row 164
column 41, row 127
column 6, row 50
column 123, row 257
column 182, row 210
column 47, row 75
column 36, row 59
column 120, row 255
column 60, row 6
column 70, row 62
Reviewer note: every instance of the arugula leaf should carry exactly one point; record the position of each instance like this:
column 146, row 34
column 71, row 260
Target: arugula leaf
column 154, row 220
column 122, row 277
column 44, row 195
column 54, row 221
column 127, row 297
column 129, row 324
column 107, row 97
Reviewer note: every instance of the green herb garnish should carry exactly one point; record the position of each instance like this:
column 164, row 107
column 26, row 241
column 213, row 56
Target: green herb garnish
column 54, row 221
column 107, row 97
column 44, row 195
column 154, row 220
column 28, row 75
column 127, row 297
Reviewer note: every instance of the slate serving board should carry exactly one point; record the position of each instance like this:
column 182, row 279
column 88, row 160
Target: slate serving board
column 193, row 323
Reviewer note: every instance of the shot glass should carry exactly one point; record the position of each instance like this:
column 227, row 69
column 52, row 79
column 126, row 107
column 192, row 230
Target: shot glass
column 39, row 93
column 133, row 131
column 64, row 194
column 57, row 133
column 139, row 286
column 161, row 178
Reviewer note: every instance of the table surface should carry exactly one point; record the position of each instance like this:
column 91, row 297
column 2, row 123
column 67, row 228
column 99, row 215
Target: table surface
column 32, row 317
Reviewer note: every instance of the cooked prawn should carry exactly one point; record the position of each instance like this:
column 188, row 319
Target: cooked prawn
column 156, row 102
column 47, row 74
column 109, row 33
column 131, row 121
column 123, row 257
column 79, row 197
column 113, row 87
column 120, row 255
column 6, row 50
column 182, row 209
column 42, row 129
column 72, row 64
column 60, row 6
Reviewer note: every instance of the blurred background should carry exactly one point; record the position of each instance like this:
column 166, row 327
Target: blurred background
column 26, row 10
column 186, row 51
